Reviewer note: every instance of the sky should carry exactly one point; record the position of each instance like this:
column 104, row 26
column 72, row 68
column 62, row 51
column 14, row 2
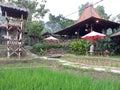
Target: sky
column 66, row 7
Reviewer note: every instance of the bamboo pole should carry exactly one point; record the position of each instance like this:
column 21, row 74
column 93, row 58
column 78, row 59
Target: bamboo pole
column 7, row 29
column 20, row 36
column 21, row 26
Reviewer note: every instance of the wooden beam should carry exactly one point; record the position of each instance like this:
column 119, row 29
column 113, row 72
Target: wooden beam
column 7, row 23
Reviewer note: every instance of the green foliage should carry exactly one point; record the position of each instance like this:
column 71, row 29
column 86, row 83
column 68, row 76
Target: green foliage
column 101, row 11
column 46, row 79
column 115, row 45
column 79, row 47
column 62, row 21
column 57, row 46
column 41, row 11
column 35, row 29
column 41, row 47
column 33, row 6
column 103, row 44
column 117, row 18
column 109, row 43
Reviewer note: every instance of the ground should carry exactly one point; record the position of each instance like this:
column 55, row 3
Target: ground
column 32, row 61
column 55, row 65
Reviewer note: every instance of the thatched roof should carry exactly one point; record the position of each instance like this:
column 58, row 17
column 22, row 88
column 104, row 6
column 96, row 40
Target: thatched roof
column 87, row 13
column 88, row 19
column 13, row 11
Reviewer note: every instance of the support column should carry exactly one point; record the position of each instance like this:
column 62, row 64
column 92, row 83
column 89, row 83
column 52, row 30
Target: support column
column 20, row 37
column 7, row 29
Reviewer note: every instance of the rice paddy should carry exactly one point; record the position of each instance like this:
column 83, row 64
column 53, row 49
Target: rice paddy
column 47, row 79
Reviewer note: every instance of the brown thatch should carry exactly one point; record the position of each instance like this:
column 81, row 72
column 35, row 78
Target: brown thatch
column 13, row 11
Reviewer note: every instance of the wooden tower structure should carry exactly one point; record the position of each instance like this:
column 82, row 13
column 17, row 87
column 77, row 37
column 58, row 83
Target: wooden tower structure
column 14, row 27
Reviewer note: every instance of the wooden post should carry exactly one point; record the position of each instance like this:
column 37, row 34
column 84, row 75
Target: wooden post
column 21, row 26
column 7, row 29
column 20, row 36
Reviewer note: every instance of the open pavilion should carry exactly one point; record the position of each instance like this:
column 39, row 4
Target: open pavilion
column 89, row 20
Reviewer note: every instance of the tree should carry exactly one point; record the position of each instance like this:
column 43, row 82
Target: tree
column 51, row 27
column 36, row 29
column 101, row 11
column 40, row 12
column 36, row 10
column 82, row 7
column 2, row 0
column 117, row 18
column 61, row 20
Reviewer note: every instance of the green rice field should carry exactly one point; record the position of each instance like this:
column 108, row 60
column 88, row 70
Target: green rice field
column 47, row 79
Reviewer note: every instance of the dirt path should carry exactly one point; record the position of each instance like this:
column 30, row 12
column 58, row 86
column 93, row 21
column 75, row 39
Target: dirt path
column 87, row 66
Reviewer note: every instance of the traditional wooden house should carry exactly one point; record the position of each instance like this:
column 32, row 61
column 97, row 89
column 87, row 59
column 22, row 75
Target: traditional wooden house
column 89, row 20
column 14, row 27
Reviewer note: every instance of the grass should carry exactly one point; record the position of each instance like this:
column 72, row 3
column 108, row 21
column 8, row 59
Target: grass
column 12, row 78
column 35, row 63
column 96, row 57
column 46, row 79
column 93, row 60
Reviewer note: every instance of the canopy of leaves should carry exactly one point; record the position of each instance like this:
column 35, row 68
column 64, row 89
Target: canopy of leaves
column 116, row 18
column 35, row 9
column 101, row 11
column 79, row 47
column 40, row 13
column 64, row 22
column 51, row 27
column 57, row 23
column 35, row 29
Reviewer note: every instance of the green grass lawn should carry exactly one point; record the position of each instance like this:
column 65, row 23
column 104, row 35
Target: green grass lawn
column 97, row 57
column 29, row 78
column 112, row 61
column 47, row 79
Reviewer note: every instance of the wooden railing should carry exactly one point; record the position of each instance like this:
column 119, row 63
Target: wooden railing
column 14, row 44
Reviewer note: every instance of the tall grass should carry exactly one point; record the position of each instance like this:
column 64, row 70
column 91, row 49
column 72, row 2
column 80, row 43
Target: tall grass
column 46, row 79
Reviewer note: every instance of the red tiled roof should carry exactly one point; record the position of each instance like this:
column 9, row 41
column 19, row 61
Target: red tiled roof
column 87, row 13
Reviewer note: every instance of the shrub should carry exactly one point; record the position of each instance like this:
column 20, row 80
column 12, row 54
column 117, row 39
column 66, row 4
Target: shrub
column 41, row 47
column 57, row 45
column 79, row 47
